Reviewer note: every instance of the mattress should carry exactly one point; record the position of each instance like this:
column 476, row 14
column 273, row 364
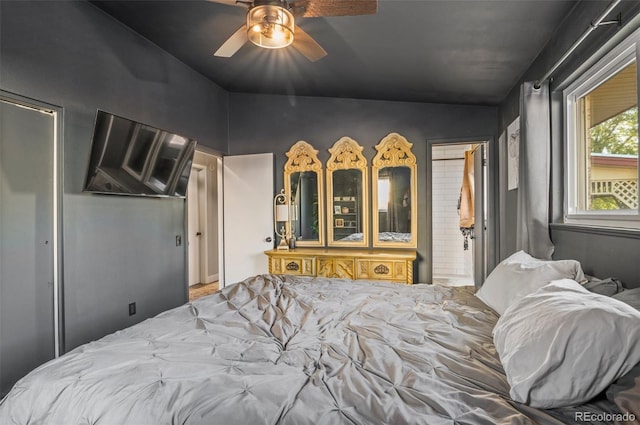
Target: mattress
column 290, row 350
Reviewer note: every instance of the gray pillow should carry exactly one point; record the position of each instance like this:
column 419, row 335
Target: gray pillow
column 629, row 296
column 563, row 345
column 608, row 287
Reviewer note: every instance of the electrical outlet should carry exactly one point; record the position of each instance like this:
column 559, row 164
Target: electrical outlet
column 178, row 240
column 132, row 309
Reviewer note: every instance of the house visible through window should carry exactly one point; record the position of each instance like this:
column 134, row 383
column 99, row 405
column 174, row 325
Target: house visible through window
column 602, row 141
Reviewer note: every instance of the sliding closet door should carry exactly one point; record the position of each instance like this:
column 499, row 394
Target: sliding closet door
column 26, row 240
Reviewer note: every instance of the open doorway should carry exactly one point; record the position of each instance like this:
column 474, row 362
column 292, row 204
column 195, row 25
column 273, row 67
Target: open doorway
column 458, row 213
column 204, row 217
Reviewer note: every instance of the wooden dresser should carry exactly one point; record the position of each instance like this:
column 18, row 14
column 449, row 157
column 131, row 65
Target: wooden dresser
column 393, row 265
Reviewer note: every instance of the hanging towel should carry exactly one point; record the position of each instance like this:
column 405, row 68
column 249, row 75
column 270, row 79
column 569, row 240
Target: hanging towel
column 465, row 202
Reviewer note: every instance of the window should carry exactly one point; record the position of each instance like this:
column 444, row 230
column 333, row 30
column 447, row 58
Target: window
column 601, row 110
column 383, row 194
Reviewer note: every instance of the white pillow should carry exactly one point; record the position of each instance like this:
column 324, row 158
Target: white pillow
column 563, row 345
column 521, row 274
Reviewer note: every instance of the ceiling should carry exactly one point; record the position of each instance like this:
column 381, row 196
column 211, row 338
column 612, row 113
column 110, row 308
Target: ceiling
column 443, row 51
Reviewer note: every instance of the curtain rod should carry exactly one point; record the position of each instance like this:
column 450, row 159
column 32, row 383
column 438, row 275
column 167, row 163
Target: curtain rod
column 592, row 27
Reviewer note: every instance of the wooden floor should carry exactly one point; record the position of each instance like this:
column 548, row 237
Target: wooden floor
column 202, row 289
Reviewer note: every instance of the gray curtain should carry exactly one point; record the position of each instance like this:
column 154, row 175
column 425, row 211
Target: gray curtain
column 399, row 207
column 393, row 208
column 532, row 233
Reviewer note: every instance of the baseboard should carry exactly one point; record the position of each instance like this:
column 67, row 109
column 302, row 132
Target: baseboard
column 213, row 278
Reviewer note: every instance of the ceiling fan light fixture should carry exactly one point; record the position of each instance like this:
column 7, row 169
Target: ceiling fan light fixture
column 270, row 26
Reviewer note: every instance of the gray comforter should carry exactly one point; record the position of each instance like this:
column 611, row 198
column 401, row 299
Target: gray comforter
column 287, row 350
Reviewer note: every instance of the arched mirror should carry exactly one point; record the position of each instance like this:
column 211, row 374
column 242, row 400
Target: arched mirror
column 347, row 203
column 304, row 188
column 394, row 194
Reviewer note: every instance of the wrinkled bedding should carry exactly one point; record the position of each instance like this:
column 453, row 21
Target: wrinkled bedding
column 290, row 350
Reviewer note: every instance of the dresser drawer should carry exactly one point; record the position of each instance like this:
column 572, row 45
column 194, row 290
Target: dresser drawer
column 292, row 265
column 336, row 267
column 396, row 271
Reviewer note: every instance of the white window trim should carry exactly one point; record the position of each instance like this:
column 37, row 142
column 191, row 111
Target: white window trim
column 619, row 57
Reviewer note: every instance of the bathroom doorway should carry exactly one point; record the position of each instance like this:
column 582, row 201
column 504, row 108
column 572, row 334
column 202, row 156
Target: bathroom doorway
column 458, row 213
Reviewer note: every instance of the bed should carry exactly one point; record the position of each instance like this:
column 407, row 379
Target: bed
column 278, row 349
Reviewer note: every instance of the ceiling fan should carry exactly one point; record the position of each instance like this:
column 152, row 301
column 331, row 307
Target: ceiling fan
column 270, row 23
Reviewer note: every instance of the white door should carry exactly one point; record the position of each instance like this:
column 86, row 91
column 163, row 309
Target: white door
column 248, row 215
column 193, row 225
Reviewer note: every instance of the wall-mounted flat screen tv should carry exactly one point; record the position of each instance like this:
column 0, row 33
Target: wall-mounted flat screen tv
column 131, row 158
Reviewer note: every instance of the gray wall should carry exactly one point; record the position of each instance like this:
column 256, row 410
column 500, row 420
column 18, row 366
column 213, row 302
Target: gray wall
column 116, row 250
column 600, row 247
column 267, row 123
column 601, row 252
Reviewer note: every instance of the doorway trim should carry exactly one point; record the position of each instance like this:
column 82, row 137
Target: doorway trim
column 220, row 173
column 204, row 268
column 201, row 195
column 491, row 235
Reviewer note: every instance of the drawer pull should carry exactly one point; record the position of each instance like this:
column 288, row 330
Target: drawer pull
column 293, row 266
column 381, row 269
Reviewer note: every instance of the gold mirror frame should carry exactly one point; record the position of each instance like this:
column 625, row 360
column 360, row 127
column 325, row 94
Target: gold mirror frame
column 346, row 154
column 303, row 157
column 394, row 151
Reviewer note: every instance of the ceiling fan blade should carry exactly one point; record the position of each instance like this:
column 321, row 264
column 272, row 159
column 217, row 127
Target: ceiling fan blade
column 307, row 45
column 317, row 8
column 230, row 2
column 233, row 43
